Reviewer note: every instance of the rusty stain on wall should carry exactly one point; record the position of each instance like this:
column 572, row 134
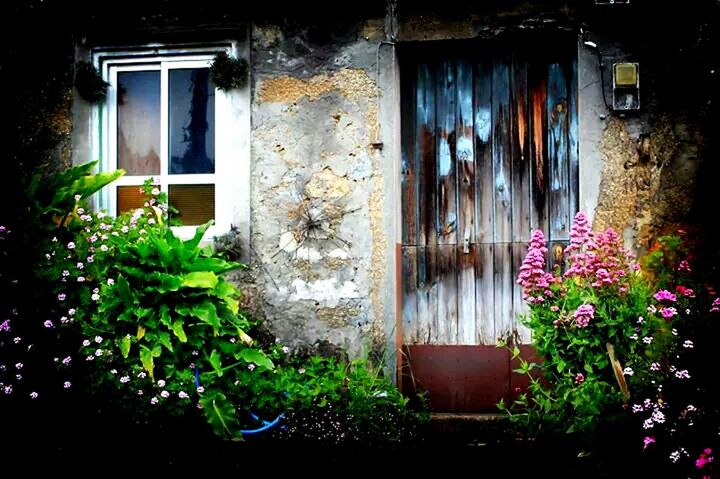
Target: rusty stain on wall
column 353, row 84
column 325, row 184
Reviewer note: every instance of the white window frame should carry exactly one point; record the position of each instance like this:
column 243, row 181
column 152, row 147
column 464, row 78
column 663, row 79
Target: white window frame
column 232, row 132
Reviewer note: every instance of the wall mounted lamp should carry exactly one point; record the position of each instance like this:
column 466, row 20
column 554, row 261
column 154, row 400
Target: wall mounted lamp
column 626, row 87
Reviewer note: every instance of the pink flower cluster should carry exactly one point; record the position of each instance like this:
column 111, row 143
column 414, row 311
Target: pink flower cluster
column 583, row 315
column 533, row 278
column 715, row 307
column 704, row 458
column 597, row 256
column 665, row 295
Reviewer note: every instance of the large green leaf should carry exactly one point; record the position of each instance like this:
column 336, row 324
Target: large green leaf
column 215, row 265
column 124, row 345
column 162, row 248
column 123, row 289
column 146, row 358
column 256, row 356
column 167, row 282
column 193, row 242
column 221, row 415
column 207, row 313
column 164, row 339
column 178, row 331
column 216, row 362
column 88, row 184
column 200, row 279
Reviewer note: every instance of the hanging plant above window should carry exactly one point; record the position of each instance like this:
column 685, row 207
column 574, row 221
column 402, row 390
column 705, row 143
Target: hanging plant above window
column 228, row 73
column 89, row 83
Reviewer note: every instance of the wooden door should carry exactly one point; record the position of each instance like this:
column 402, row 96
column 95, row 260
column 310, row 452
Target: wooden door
column 489, row 153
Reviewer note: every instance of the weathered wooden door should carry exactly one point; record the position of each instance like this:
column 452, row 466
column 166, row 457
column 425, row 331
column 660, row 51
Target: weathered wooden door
column 489, row 139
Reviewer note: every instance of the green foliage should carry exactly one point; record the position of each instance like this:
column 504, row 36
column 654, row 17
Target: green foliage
column 152, row 323
column 228, row 73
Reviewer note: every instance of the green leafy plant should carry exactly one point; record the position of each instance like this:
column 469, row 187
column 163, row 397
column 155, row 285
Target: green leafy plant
column 228, row 73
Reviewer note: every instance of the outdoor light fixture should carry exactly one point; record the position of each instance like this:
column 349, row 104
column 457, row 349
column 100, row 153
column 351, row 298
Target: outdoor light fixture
column 626, row 87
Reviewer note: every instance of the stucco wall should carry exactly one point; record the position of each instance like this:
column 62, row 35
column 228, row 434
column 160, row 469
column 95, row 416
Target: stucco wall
column 320, row 183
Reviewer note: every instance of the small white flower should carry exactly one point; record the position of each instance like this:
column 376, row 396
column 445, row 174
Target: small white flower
column 98, row 339
column 103, row 247
column 17, row 340
column 124, row 229
column 81, row 279
column 155, row 191
column 658, row 416
column 674, row 332
column 301, row 370
column 79, row 265
column 71, row 245
column 165, row 394
column 285, row 349
column 690, row 408
column 67, row 384
column 71, row 311
column 647, row 339
column 628, row 372
column 33, row 395
column 98, row 352
column 113, row 371
column 161, row 383
column 200, row 389
column 648, row 424
column 688, row 344
column 90, row 259
column 77, row 197
column 64, row 320
column 655, row 367
column 251, row 367
column 640, row 320
column 81, row 211
column 110, row 281
column 18, row 365
column 183, row 395
column 86, row 343
column 65, row 273
column 141, row 375
column 125, row 379
column 634, row 337
column 675, row 456
column 140, row 392
column 683, row 374
column 637, row 408
column 90, row 358
column 154, row 400
column 95, row 297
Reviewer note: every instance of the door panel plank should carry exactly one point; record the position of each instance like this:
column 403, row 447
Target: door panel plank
column 427, row 289
column 537, row 84
column 408, row 169
column 519, row 152
column 446, row 98
column 467, row 327
column 409, row 294
column 502, row 166
column 503, row 289
column 573, row 136
column 484, row 194
column 557, row 138
column 425, row 156
column 447, row 300
column 465, row 155
column 485, row 294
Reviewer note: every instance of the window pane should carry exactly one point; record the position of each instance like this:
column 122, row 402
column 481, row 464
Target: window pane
column 192, row 121
column 138, row 122
column 195, row 203
column 129, row 198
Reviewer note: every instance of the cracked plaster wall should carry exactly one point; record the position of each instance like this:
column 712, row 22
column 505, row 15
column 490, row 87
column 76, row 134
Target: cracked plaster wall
column 319, row 227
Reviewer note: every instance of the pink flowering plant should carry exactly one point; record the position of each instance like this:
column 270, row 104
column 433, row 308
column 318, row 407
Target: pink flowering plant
column 583, row 320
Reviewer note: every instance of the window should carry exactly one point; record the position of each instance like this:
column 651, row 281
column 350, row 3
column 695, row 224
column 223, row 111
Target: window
column 164, row 119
